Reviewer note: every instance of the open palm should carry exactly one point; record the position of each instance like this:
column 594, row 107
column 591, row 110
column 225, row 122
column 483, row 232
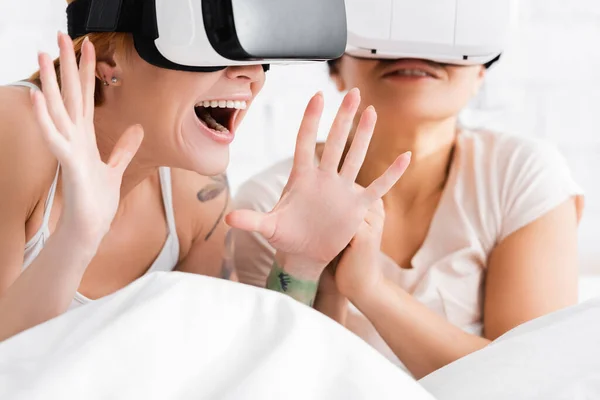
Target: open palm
column 91, row 188
column 321, row 208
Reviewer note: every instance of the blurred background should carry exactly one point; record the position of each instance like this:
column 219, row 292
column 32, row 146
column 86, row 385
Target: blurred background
column 547, row 85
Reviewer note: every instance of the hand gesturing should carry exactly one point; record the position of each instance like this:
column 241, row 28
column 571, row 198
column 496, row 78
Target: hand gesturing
column 321, row 209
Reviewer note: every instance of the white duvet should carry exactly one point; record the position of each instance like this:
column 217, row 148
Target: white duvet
column 179, row 336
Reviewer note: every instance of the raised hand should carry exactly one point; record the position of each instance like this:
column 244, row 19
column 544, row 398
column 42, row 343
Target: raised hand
column 91, row 188
column 321, row 209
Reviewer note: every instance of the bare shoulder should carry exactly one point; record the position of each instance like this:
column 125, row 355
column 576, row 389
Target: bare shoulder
column 26, row 165
column 200, row 201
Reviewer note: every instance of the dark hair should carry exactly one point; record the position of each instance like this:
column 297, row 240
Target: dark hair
column 332, row 64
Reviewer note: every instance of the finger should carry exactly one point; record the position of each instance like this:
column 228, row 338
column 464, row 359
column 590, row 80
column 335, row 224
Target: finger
column 87, row 75
column 360, row 144
column 338, row 136
column 385, row 182
column 252, row 221
column 376, row 215
column 125, row 149
column 306, row 142
column 56, row 142
column 69, row 77
column 51, row 91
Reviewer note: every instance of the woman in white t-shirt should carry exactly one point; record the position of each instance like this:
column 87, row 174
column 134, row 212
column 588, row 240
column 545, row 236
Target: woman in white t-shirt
column 480, row 234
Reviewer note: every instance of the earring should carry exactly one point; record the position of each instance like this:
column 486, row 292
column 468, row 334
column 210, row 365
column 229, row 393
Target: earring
column 104, row 83
column 114, row 80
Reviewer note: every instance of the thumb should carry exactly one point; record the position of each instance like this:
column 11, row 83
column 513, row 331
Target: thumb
column 126, row 148
column 252, row 221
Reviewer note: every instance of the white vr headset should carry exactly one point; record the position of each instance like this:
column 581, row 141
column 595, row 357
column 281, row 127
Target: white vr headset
column 461, row 32
column 209, row 35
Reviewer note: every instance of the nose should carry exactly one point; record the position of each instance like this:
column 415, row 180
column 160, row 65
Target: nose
column 252, row 73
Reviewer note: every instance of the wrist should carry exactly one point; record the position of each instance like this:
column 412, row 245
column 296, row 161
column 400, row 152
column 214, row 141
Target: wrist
column 300, row 267
column 80, row 245
column 300, row 289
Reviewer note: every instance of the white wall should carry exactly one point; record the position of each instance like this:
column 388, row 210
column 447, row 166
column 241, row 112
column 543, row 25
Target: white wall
column 548, row 85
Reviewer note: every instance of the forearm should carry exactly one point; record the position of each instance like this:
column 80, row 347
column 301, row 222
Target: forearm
column 332, row 305
column 420, row 338
column 47, row 287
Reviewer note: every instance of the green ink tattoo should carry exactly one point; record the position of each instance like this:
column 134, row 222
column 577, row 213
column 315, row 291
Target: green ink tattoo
column 301, row 290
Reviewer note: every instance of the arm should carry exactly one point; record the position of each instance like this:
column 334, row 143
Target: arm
column 91, row 191
column 254, row 255
column 531, row 273
column 212, row 247
column 48, row 285
column 321, row 208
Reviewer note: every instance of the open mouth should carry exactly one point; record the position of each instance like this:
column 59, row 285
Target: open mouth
column 219, row 115
column 418, row 73
column 416, row 69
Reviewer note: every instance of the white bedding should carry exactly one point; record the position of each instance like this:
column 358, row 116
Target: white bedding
column 179, row 336
column 556, row 357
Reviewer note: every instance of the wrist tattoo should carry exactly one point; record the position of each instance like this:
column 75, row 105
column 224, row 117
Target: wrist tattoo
column 301, row 290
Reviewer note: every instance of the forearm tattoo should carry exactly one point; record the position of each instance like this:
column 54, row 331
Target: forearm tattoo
column 210, row 192
column 301, row 290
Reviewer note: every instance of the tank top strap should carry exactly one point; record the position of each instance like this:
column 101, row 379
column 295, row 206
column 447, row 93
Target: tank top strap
column 50, row 198
column 28, row 84
column 166, row 188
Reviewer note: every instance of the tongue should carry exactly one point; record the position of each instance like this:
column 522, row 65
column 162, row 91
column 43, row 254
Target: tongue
column 206, row 117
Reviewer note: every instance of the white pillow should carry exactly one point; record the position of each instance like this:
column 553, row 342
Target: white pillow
column 556, row 357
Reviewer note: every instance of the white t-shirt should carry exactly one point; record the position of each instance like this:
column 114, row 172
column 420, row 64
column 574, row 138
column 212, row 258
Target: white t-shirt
column 497, row 184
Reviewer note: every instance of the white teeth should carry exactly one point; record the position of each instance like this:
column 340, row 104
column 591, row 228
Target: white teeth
column 413, row 72
column 238, row 105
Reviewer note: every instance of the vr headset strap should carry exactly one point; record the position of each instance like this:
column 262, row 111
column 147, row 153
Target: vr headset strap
column 103, row 15
column 88, row 16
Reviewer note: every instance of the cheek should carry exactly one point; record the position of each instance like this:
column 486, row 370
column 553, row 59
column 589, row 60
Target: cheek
column 460, row 90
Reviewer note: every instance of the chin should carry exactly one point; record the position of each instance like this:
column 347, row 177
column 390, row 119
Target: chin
column 417, row 109
column 201, row 151
column 208, row 163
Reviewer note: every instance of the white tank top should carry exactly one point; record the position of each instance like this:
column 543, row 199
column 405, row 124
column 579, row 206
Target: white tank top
column 167, row 258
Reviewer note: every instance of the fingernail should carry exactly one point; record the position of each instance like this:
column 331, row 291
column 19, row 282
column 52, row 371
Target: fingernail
column 86, row 39
column 409, row 155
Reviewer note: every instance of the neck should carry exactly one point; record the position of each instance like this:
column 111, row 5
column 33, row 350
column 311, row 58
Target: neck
column 431, row 145
column 108, row 130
